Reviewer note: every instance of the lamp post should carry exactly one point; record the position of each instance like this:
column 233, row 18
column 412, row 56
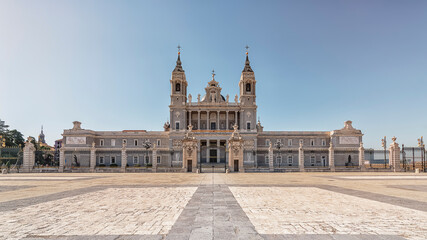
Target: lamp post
column 384, row 145
column 147, row 145
column 422, row 149
column 278, row 145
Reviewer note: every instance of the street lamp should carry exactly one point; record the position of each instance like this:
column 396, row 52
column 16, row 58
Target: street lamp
column 147, row 145
column 384, row 145
column 422, row 149
column 278, row 145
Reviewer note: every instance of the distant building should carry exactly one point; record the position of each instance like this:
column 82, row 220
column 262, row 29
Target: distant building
column 213, row 130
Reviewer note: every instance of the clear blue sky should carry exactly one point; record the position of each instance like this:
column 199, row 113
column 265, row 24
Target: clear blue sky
column 317, row 63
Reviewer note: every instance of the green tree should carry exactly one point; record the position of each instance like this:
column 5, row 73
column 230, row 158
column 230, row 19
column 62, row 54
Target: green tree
column 14, row 138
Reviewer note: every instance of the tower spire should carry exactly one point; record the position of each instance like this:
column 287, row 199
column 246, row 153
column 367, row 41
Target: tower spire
column 247, row 67
column 178, row 67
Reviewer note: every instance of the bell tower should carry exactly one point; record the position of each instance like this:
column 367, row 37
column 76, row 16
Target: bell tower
column 247, row 86
column 178, row 95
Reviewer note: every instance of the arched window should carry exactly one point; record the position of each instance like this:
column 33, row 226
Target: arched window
column 177, row 87
column 248, row 87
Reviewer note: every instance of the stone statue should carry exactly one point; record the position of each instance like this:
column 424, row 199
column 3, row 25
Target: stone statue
column 93, row 144
column 235, row 99
column 198, row 98
column 190, row 98
column 227, row 98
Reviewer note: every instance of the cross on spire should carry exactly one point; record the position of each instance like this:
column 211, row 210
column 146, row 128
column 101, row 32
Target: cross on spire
column 247, row 49
column 179, row 49
column 213, row 73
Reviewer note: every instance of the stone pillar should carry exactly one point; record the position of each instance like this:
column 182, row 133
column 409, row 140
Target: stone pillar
column 217, row 121
column 61, row 159
column 331, row 157
column 271, row 158
column 362, row 157
column 29, row 156
column 208, row 127
column 218, row 153
column 235, row 150
column 189, row 118
column 198, row 120
column 242, row 113
column 154, row 162
column 208, row 153
column 124, row 158
column 394, row 155
column 235, row 117
column 301, row 157
column 92, row 161
column 226, row 121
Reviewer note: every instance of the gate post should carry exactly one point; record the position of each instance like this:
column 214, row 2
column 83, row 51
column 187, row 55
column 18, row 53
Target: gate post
column 124, row 158
column 61, row 158
column 395, row 155
column 189, row 150
column 29, row 156
column 154, row 162
column 362, row 157
column 271, row 158
column 331, row 157
column 301, row 157
column 92, row 162
column 235, row 150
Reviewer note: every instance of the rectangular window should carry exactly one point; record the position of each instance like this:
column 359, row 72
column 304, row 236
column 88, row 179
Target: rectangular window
column 289, row 142
column 279, row 159
column 101, row 142
column 158, row 159
column 113, row 142
column 266, row 159
column 135, row 142
column 101, row 160
column 177, row 125
column 290, row 160
column 324, row 161
column 135, row 159
column 267, row 142
column 159, row 142
column 323, row 142
column 113, row 160
column 312, row 159
column 248, row 125
column 311, row 142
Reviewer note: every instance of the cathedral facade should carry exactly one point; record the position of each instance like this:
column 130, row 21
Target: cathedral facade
column 213, row 132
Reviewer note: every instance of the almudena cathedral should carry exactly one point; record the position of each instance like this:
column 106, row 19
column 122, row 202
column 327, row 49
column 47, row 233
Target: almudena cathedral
column 212, row 133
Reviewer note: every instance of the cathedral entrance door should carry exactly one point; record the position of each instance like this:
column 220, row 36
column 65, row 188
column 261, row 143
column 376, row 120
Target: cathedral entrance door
column 236, row 165
column 189, row 166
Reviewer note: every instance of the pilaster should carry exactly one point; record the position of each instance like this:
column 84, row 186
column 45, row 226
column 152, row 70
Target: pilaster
column 271, row 158
column 331, row 157
column 394, row 155
column 124, row 158
column 29, row 156
column 92, row 162
column 362, row 157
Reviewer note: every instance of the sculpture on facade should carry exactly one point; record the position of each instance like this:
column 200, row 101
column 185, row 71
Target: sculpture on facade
column 236, row 99
column 227, row 98
column 190, row 98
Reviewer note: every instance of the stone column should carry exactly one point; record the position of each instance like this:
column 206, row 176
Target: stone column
column 242, row 113
column 217, row 121
column 208, row 127
column 124, row 158
column 61, row 159
column 154, row 163
column 29, row 156
column 189, row 118
column 208, row 153
column 301, row 157
column 198, row 120
column 331, row 157
column 394, row 155
column 271, row 158
column 218, row 153
column 92, row 162
column 362, row 157
column 235, row 117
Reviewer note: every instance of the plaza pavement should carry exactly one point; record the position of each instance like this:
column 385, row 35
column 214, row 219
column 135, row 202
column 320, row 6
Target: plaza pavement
column 214, row 206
